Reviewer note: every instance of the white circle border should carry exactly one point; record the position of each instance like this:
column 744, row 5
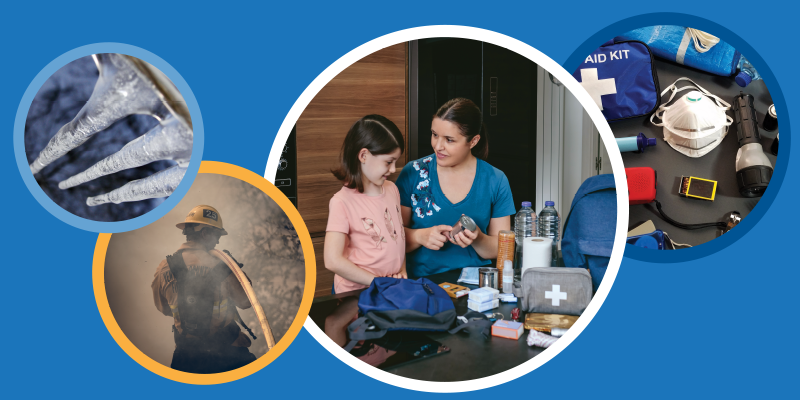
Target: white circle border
column 606, row 135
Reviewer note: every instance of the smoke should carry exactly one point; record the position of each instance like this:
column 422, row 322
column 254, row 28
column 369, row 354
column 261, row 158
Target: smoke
column 260, row 236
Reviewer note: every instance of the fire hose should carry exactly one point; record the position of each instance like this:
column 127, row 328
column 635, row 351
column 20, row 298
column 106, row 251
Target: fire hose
column 251, row 294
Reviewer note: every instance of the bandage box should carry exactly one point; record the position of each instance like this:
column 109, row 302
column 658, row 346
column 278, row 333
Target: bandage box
column 482, row 306
column 508, row 329
column 507, row 298
column 483, row 294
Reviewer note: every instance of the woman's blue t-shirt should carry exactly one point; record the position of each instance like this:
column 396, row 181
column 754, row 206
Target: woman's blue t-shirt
column 489, row 197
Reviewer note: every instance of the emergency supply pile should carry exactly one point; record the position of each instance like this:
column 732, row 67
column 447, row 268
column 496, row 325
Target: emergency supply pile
column 549, row 299
column 622, row 79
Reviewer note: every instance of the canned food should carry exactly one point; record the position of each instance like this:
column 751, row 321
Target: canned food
column 488, row 277
column 464, row 223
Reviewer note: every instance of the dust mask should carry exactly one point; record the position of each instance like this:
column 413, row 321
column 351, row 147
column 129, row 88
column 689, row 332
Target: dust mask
column 696, row 123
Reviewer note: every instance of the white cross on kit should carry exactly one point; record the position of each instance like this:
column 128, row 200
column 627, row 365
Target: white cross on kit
column 595, row 87
column 556, row 295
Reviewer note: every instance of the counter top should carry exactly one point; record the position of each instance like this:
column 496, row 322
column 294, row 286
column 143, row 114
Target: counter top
column 470, row 356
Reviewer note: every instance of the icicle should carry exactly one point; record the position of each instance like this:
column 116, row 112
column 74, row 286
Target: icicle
column 171, row 140
column 160, row 184
column 120, row 91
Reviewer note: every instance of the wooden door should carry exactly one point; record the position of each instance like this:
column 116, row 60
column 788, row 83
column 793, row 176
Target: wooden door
column 375, row 84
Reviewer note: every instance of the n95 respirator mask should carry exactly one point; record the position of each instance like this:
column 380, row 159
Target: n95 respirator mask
column 696, row 123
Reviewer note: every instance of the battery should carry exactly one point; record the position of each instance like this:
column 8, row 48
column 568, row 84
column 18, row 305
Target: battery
column 698, row 188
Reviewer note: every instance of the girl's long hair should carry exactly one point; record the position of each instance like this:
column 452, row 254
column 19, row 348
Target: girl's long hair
column 375, row 133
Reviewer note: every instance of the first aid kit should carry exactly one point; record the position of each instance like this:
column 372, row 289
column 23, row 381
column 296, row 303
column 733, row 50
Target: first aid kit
column 621, row 79
column 554, row 290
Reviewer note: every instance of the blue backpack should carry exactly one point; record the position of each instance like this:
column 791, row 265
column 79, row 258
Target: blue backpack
column 590, row 226
column 621, row 78
column 391, row 304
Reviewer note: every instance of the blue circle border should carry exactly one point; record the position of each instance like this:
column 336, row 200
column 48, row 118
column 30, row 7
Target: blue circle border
column 665, row 18
column 99, row 226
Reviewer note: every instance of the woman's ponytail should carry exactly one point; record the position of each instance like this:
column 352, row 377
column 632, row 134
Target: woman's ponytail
column 467, row 116
column 481, row 150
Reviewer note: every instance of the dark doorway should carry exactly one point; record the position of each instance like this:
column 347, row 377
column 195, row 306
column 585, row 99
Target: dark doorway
column 500, row 81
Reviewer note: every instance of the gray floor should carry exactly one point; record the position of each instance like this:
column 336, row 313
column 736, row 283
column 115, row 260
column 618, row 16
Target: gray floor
column 670, row 165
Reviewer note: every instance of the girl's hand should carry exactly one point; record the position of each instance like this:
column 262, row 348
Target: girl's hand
column 399, row 275
column 434, row 237
column 465, row 237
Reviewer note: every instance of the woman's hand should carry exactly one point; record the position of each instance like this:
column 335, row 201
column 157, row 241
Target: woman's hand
column 465, row 237
column 434, row 237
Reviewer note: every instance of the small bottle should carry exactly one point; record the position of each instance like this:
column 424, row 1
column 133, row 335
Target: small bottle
column 524, row 227
column 747, row 73
column 549, row 222
column 508, row 276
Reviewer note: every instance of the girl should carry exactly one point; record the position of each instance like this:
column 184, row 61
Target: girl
column 436, row 190
column 365, row 237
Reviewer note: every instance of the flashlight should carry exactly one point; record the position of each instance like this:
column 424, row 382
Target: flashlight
column 753, row 168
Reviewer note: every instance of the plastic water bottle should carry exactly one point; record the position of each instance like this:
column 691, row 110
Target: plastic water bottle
column 524, row 227
column 549, row 222
column 747, row 73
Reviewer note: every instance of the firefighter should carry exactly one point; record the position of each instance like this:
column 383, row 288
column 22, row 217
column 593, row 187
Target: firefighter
column 201, row 294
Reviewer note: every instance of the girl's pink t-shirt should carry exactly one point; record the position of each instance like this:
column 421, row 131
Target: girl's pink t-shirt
column 375, row 229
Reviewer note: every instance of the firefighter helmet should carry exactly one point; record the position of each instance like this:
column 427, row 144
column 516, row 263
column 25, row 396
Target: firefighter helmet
column 203, row 215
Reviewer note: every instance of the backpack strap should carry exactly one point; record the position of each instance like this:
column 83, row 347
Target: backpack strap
column 359, row 330
column 474, row 320
column 176, row 265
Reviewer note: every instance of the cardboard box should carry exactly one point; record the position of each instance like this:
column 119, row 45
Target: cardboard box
column 481, row 307
column 508, row 329
column 484, row 294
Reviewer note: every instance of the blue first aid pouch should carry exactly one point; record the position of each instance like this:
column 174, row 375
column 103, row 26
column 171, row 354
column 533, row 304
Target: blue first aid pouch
column 590, row 227
column 674, row 43
column 621, row 78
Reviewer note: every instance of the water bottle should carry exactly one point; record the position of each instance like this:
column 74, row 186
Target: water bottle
column 548, row 227
column 747, row 73
column 524, row 227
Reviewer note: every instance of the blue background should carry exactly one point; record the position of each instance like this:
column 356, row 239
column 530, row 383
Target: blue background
column 723, row 325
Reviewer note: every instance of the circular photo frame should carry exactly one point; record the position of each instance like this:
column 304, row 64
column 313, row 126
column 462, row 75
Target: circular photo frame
column 287, row 330
column 180, row 113
column 560, row 75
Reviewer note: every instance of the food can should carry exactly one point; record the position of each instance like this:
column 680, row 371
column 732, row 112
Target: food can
column 488, row 277
column 464, row 223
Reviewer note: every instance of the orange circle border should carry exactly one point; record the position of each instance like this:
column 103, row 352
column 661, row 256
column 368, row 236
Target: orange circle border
column 98, row 281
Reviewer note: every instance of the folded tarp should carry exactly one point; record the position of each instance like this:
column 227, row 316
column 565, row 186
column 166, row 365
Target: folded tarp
column 675, row 43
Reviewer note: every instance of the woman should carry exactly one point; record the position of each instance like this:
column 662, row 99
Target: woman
column 436, row 190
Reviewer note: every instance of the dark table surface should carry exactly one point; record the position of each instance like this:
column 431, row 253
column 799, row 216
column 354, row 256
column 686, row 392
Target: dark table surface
column 670, row 165
column 470, row 357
